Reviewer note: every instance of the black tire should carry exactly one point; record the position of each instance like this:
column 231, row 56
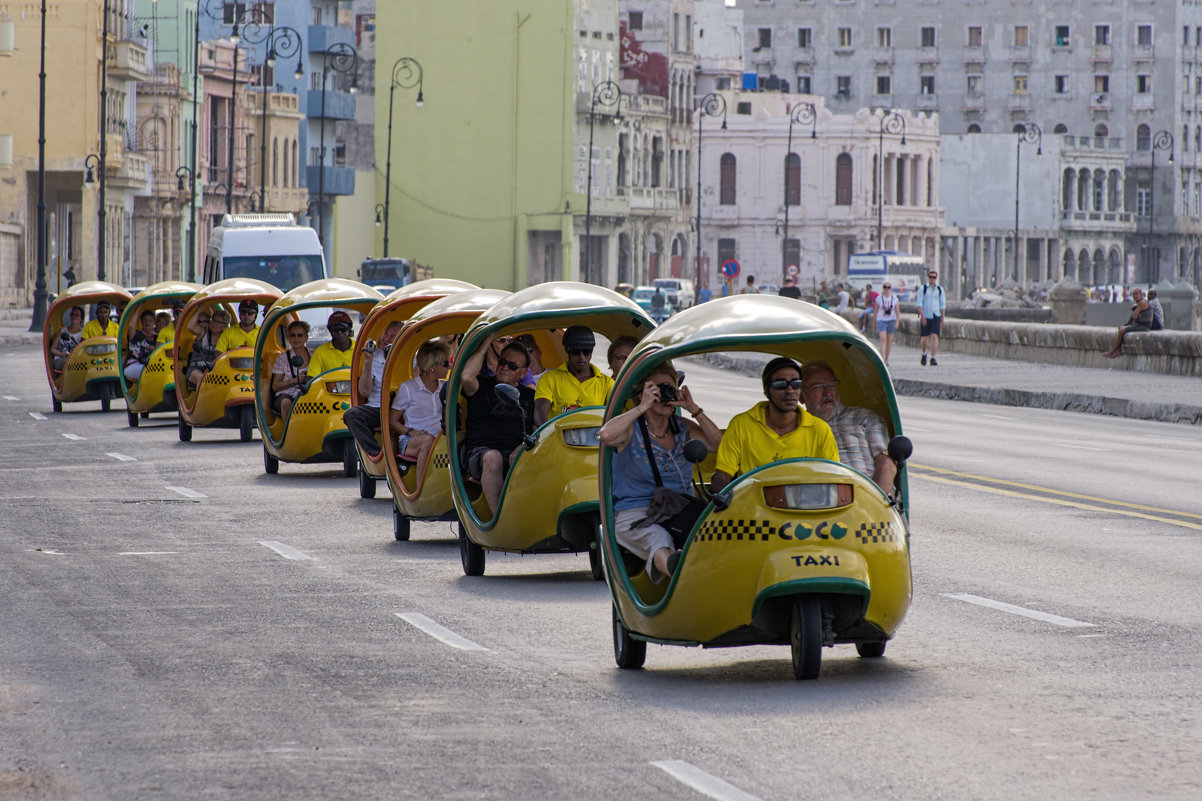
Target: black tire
column 106, row 397
column 400, row 524
column 133, row 419
column 246, row 423
column 56, row 404
column 185, row 430
column 145, row 415
column 806, row 638
column 470, row 554
column 350, row 460
column 367, row 484
column 871, row 650
column 629, row 653
column 270, row 463
column 595, row 567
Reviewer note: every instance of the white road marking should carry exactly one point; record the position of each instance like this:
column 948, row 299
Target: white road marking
column 146, row 553
column 704, row 783
column 1079, row 447
column 37, row 415
column 286, row 551
column 916, row 428
column 439, row 632
column 75, row 437
column 121, row 457
column 995, row 416
column 1067, row 622
column 188, row 493
column 11, row 397
column 50, row 551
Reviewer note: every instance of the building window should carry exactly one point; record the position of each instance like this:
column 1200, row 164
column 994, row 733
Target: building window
column 1020, row 84
column 1062, row 39
column 884, row 37
column 803, row 84
column 843, row 176
column 793, row 179
column 723, row 84
column 743, row 107
column 974, row 85
column 1060, row 84
column 926, row 84
column 1185, row 36
column 1143, row 84
column 1143, row 35
column 1101, row 34
column 1143, row 198
column 883, row 84
column 764, row 38
column 636, row 20
column 844, row 37
column 727, row 171
column 974, row 128
column 928, row 37
column 843, row 86
column 1143, row 138
column 804, row 37
column 1060, row 128
column 727, row 250
column 974, row 36
column 1020, row 35
column 1101, row 83
column 232, row 12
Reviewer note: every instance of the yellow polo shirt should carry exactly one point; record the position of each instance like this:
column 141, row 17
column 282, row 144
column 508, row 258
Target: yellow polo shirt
column 566, row 392
column 93, row 329
column 234, row 337
column 166, row 335
column 749, row 443
column 328, row 357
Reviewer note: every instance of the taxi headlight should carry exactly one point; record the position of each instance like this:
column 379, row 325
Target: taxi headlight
column 809, row 496
column 338, row 387
column 169, row 353
column 96, row 350
column 582, row 437
column 242, row 363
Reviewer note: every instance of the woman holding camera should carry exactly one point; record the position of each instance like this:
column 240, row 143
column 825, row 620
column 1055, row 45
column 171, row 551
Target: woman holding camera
column 291, row 369
column 653, row 430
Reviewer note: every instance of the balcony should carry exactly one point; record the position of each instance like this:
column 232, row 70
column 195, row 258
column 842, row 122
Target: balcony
column 1101, row 54
column 1099, row 221
column 339, row 105
column 1019, row 102
column 928, row 55
column 974, row 57
column 973, row 102
column 338, row 180
column 927, row 102
column 323, row 37
column 653, row 199
column 127, row 61
column 804, row 56
column 882, row 56
column 1143, row 101
column 1100, row 101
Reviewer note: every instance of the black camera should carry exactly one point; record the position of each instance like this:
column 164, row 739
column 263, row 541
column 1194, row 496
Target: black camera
column 667, row 392
column 369, row 346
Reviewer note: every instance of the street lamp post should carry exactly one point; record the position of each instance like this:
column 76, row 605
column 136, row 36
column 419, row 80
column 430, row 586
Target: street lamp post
column 892, row 123
column 1161, row 140
column 102, row 213
column 711, row 105
column 802, row 114
column 606, row 94
column 406, row 73
column 94, row 163
column 39, row 290
column 281, row 41
column 340, row 57
column 1030, row 133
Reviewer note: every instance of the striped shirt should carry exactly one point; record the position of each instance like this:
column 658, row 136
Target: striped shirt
column 860, row 434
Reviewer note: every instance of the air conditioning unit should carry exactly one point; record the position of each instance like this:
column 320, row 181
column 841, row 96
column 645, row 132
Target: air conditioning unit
column 1099, row 98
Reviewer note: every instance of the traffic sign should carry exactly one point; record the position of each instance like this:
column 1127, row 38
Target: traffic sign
column 730, row 268
column 792, row 270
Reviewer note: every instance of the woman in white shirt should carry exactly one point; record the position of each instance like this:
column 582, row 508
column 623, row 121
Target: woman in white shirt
column 886, row 319
column 416, row 413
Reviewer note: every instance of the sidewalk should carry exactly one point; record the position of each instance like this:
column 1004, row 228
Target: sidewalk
column 1122, row 393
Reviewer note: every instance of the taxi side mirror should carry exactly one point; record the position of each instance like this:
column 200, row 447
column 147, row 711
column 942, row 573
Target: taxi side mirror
column 695, row 451
column 900, row 449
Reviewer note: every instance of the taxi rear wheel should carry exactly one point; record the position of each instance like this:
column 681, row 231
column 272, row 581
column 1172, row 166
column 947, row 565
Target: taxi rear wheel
column 806, row 638
column 185, row 430
column 56, row 404
column 270, row 463
column 367, row 485
column 246, row 424
column 629, row 653
column 106, row 399
column 400, row 523
column 871, row 650
column 470, row 554
column 595, row 566
column 133, row 419
column 350, row 460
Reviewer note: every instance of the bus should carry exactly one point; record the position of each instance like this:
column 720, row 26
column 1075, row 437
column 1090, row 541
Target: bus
column 905, row 272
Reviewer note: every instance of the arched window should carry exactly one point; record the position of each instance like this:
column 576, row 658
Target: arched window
column 843, row 176
column 295, row 173
column 1060, row 128
column 974, row 128
column 1066, row 199
column 1099, row 191
column 793, row 180
column 1101, row 131
column 726, row 192
column 1019, row 128
column 1143, row 138
column 275, row 161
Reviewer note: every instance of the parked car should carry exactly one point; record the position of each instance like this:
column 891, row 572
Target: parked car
column 643, row 295
column 680, row 291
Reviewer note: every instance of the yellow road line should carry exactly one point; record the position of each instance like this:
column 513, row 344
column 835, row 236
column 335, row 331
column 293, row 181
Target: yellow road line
column 1062, row 502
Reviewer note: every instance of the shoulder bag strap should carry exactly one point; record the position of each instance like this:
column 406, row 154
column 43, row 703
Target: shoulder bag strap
column 659, row 481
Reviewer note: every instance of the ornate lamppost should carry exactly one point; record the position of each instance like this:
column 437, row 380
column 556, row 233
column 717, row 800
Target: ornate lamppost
column 406, row 73
column 281, row 41
column 39, row 287
column 606, row 94
column 892, row 123
column 339, row 57
column 711, row 105
column 1161, row 140
column 802, row 114
column 1031, row 134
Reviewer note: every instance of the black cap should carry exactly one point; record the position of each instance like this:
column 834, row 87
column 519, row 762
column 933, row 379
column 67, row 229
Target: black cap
column 578, row 337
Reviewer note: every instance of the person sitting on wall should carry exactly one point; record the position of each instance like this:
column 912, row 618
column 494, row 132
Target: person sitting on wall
column 1140, row 320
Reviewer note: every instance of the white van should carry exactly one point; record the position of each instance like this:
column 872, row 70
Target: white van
column 680, row 291
column 269, row 247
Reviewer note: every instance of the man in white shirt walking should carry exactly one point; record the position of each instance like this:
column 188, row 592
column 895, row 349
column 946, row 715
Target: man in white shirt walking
column 932, row 302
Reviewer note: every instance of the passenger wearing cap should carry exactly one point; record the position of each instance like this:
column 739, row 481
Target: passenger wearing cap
column 772, row 430
column 167, row 332
column 103, row 325
column 860, row 433
column 243, row 334
column 574, row 383
column 338, row 351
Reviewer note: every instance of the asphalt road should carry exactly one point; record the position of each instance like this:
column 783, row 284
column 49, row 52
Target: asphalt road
column 176, row 624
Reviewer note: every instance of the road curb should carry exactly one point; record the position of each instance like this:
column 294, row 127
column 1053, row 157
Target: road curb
column 9, row 340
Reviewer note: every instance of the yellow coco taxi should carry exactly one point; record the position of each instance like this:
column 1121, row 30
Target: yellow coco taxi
column 153, row 390
column 83, row 364
column 215, row 389
column 396, row 307
column 423, row 490
column 803, row 552
column 548, row 499
column 309, row 428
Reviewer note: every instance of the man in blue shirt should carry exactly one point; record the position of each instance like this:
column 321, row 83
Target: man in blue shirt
column 931, row 302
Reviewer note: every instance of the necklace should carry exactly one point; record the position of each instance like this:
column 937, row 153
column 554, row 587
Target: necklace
column 659, row 436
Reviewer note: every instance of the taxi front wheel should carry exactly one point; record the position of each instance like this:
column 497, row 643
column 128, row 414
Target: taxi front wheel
column 470, row 554
column 133, row 419
column 806, row 638
column 246, row 424
column 185, row 430
column 270, row 463
column 629, row 653
column 400, row 523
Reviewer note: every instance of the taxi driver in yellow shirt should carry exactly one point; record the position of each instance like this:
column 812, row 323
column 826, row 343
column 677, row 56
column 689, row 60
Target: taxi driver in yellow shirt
column 575, row 383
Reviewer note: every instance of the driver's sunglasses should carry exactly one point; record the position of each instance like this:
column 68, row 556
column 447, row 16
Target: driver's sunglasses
column 785, row 383
column 340, row 327
column 248, row 311
column 580, row 351
column 504, row 363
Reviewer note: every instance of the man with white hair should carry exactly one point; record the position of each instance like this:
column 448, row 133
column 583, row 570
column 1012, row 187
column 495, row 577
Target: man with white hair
column 860, row 433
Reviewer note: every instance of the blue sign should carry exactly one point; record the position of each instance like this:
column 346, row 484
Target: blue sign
column 730, row 268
